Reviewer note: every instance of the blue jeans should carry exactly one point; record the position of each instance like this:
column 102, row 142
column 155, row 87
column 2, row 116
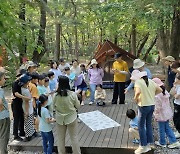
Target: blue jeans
column 165, row 129
column 93, row 89
column 145, row 124
column 48, row 142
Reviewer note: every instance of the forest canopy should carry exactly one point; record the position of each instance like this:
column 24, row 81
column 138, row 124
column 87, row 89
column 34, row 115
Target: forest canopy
column 38, row 29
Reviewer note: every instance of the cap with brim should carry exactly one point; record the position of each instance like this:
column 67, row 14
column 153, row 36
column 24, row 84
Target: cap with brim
column 158, row 81
column 117, row 55
column 138, row 63
column 93, row 61
column 24, row 79
column 169, row 58
column 31, row 64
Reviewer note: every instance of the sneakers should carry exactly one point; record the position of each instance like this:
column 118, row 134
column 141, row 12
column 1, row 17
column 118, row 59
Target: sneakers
column 90, row 103
column 27, row 139
column 177, row 134
column 79, row 121
column 82, row 103
column 142, row 149
column 174, row 145
column 17, row 138
column 135, row 141
column 161, row 145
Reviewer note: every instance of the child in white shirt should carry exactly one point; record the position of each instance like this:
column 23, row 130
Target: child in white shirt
column 100, row 95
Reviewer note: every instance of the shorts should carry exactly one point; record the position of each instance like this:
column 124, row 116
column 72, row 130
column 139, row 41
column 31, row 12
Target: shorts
column 82, row 88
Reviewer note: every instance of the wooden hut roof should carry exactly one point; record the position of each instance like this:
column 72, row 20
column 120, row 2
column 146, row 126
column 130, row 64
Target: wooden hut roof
column 108, row 49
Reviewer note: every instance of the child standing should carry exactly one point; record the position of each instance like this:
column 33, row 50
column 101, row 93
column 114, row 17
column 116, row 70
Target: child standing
column 35, row 95
column 80, row 87
column 4, row 118
column 27, row 108
column 50, row 96
column 133, row 130
column 41, row 88
column 45, row 125
column 175, row 91
column 163, row 113
column 100, row 95
column 71, row 77
column 52, row 83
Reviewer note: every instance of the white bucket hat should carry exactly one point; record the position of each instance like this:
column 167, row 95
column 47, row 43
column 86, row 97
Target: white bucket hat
column 138, row 63
column 93, row 61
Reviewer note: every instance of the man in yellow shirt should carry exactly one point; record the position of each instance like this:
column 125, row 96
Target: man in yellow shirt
column 120, row 70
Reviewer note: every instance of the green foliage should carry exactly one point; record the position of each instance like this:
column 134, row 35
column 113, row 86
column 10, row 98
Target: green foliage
column 95, row 21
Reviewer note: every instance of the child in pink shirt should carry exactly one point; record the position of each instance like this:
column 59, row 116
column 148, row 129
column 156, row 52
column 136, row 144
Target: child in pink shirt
column 163, row 113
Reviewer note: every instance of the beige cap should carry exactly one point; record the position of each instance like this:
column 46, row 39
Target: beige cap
column 169, row 58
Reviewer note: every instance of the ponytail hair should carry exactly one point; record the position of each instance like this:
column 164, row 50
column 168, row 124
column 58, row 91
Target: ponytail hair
column 43, row 98
column 146, row 80
column 164, row 89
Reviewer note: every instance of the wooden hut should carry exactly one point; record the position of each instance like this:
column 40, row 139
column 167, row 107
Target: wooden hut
column 105, row 57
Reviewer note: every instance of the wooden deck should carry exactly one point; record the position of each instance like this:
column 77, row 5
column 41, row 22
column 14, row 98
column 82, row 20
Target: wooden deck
column 112, row 140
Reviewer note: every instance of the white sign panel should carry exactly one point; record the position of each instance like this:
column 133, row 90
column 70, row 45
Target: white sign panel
column 96, row 120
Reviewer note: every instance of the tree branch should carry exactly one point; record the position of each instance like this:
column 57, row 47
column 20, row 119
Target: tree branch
column 149, row 49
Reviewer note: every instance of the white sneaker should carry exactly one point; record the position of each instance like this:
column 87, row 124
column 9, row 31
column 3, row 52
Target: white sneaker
column 79, row 121
column 142, row 149
column 90, row 103
column 177, row 134
column 174, row 145
column 157, row 143
column 82, row 103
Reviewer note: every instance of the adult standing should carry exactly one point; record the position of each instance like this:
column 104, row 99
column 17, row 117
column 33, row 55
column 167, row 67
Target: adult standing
column 75, row 67
column 169, row 60
column 66, row 105
column 138, row 64
column 4, row 118
column 120, row 70
column 56, row 70
column 17, row 110
column 62, row 65
column 95, row 74
column 145, row 91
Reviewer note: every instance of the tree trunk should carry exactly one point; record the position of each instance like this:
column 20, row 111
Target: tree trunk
column 116, row 39
column 149, row 49
column 23, row 42
column 163, row 44
column 175, row 34
column 40, row 49
column 75, row 30
column 133, row 39
column 142, row 44
column 58, row 35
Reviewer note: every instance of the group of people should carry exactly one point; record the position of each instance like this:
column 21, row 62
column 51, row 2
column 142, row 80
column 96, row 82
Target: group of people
column 36, row 97
column 153, row 99
column 39, row 100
